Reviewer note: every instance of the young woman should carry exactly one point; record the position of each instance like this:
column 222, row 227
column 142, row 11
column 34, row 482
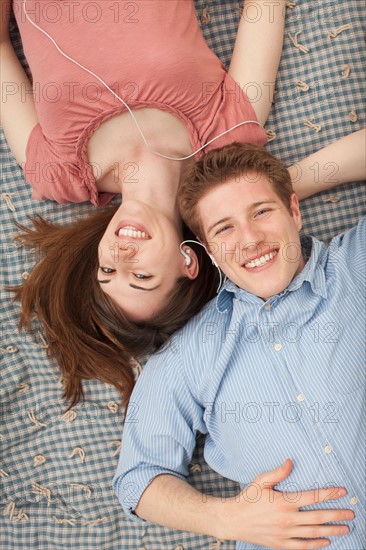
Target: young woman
column 121, row 92
column 125, row 96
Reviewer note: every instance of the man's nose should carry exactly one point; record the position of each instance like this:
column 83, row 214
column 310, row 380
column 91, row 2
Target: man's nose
column 251, row 233
column 252, row 237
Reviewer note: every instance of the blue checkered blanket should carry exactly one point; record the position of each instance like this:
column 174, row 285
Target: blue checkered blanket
column 56, row 469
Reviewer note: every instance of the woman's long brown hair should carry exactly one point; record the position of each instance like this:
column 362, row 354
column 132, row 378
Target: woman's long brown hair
column 87, row 332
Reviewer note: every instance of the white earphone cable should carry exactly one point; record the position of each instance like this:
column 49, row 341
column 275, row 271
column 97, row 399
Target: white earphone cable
column 124, row 103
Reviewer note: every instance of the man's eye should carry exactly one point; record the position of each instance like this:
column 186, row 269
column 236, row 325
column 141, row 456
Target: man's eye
column 222, row 229
column 107, row 270
column 262, row 212
column 141, row 276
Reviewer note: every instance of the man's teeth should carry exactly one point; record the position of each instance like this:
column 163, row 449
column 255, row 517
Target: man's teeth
column 262, row 260
column 130, row 231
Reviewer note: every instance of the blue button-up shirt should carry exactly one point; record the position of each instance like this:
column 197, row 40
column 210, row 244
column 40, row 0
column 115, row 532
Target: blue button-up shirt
column 265, row 381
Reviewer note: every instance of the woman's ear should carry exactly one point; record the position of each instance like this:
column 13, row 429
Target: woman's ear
column 192, row 269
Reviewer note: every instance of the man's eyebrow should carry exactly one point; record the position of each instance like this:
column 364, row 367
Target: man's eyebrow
column 217, row 223
column 256, row 204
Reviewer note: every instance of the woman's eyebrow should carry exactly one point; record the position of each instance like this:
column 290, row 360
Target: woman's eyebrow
column 142, row 288
column 131, row 285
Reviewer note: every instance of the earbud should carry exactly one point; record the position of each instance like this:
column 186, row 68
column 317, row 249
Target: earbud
column 187, row 259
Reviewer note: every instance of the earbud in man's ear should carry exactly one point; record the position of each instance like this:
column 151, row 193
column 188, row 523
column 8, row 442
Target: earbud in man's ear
column 187, row 259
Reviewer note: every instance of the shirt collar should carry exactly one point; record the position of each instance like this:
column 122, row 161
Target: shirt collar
column 226, row 295
column 313, row 272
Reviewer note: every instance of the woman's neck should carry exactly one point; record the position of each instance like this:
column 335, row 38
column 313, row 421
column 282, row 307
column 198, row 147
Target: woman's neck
column 153, row 180
column 127, row 166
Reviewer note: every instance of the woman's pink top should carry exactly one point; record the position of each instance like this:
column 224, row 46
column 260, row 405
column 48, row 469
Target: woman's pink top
column 150, row 52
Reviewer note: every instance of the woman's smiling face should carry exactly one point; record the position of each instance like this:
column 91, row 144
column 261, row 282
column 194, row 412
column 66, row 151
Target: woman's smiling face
column 140, row 260
column 252, row 235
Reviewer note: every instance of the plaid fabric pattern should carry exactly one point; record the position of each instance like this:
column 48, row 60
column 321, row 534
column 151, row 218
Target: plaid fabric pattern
column 56, row 470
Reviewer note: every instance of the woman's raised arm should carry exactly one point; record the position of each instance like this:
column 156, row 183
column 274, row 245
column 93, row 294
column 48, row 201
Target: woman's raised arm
column 17, row 110
column 257, row 52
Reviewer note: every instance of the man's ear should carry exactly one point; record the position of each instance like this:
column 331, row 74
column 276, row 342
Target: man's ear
column 295, row 209
column 192, row 270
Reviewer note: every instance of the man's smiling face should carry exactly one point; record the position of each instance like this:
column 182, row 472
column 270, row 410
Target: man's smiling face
column 252, row 235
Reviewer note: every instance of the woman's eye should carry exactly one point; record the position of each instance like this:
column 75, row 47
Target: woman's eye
column 107, row 270
column 141, row 276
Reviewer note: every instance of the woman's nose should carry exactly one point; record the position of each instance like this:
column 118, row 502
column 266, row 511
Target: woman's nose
column 124, row 251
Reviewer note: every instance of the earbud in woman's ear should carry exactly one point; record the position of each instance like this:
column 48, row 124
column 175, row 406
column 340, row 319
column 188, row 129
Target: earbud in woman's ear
column 187, row 259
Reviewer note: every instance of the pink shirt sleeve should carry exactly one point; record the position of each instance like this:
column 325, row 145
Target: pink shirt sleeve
column 54, row 178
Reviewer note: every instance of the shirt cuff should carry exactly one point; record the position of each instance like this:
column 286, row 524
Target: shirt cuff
column 130, row 487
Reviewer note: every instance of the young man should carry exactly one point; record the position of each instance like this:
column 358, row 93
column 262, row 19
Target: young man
column 273, row 368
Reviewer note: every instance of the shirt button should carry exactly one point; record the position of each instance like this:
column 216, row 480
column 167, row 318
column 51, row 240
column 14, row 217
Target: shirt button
column 267, row 307
column 328, row 449
column 301, row 397
column 353, row 501
column 278, row 347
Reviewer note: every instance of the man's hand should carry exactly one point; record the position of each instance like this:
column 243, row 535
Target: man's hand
column 266, row 517
column 274, row 519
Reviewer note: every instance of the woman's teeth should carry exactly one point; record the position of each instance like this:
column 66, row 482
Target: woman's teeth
column 262, row 260
column 130, row 231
